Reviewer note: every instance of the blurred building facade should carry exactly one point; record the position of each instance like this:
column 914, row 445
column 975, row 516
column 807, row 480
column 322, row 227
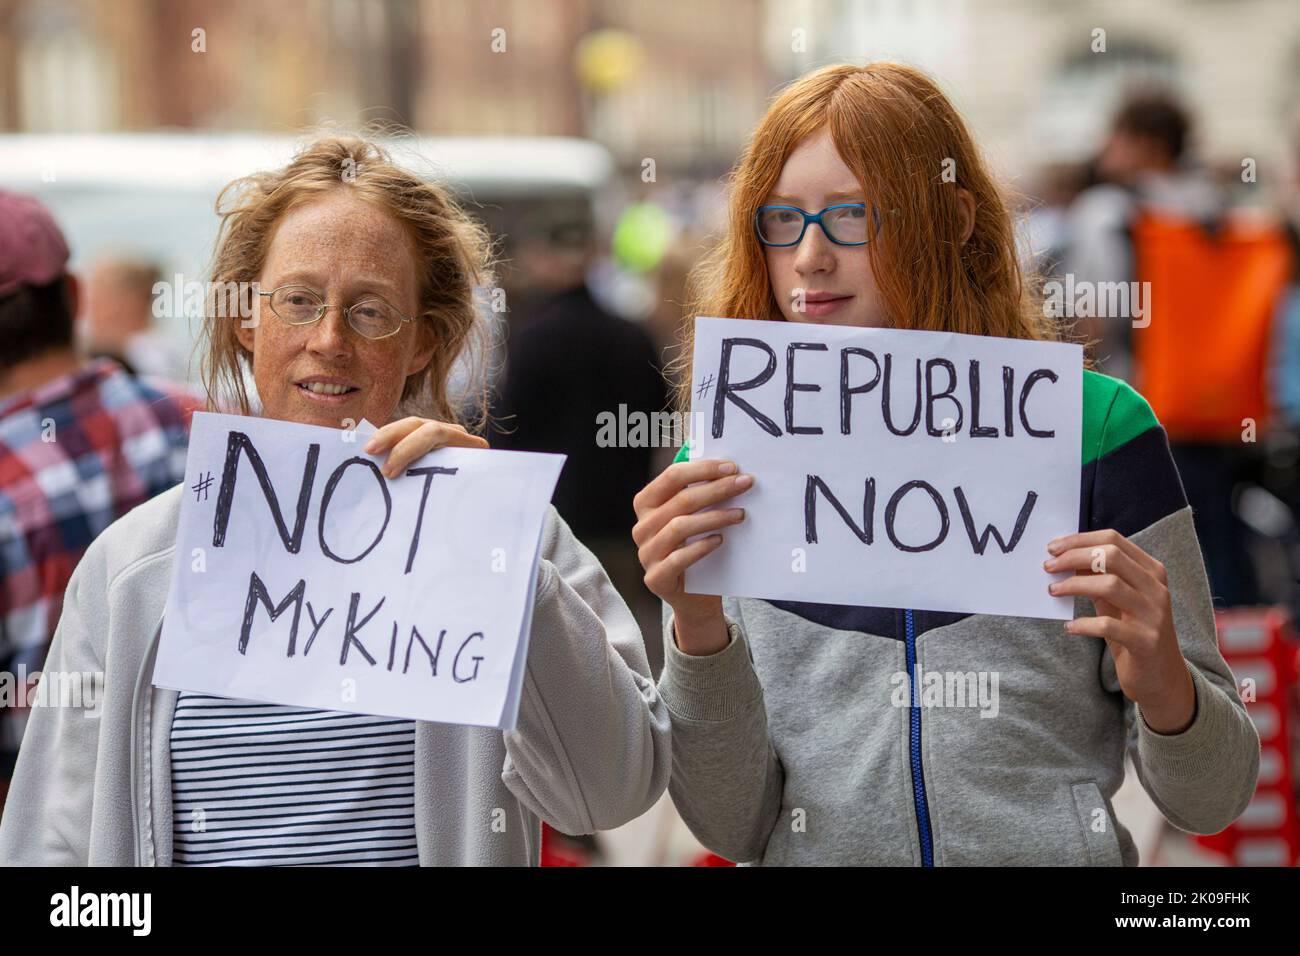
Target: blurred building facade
column 1038, row 81
column 677, row 81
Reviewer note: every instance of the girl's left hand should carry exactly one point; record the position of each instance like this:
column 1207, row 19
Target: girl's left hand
column 409, row 438
column 1135, row 618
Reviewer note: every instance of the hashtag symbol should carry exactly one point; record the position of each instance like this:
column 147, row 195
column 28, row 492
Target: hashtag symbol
column 706, row 386
column 201, row 486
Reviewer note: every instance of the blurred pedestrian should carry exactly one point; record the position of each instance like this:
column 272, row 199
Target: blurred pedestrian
column 119, row 321
column 1046, row 232
column 570, row 362
column 81, row 444
column 1144, row 163
column 1200, row 286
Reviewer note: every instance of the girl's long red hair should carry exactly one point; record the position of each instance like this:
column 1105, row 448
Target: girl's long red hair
column 899, row 134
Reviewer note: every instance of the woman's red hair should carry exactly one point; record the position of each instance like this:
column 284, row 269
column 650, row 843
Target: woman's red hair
column 899, row 134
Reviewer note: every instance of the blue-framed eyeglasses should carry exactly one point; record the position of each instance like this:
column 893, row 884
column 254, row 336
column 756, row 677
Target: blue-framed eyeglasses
column 845, row 224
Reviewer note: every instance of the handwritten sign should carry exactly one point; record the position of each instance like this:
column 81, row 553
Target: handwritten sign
column 303, row 576
column 924, row 470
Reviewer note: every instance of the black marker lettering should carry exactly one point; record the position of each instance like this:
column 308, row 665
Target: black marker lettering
column 432, row 655
column 238, row 442
column 1030, row 381
column 885, row 403
column 976, row 429
column 727, row 392
column 257, row 594
column 846, row 391
column 1008, row 400
column 864, row 533
column 982, row 541
column 335, row 477
column 315, row 626
column 455, row 664
column 350, row 631
column 932, row 396
column 892, row 508
column 419, row 517
column 791, row 386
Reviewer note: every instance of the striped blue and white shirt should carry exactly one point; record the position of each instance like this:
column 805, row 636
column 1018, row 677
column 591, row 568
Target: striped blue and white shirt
column 270, row 785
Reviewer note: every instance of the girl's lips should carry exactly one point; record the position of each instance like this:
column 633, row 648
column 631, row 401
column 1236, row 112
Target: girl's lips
column 817, row 308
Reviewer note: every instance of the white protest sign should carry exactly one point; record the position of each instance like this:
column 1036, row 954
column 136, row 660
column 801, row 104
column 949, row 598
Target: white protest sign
column 304, row 577
column 924, row 470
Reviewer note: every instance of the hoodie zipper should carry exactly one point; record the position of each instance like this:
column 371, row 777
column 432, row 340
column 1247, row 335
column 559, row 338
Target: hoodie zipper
column 914, row 742
column 142, row 687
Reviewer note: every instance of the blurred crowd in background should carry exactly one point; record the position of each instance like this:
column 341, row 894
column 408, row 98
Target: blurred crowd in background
column 1154, row 143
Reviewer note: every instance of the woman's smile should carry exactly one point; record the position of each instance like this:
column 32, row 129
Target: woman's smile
column 327, row 389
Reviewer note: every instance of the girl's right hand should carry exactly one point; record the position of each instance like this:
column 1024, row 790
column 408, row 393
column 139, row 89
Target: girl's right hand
column 668, row 512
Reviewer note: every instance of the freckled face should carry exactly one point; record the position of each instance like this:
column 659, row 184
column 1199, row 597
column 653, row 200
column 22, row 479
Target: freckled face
column 344, row 249
column 839, row 287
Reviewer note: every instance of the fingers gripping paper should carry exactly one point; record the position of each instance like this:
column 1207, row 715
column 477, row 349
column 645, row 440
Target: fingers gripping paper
column 926, row 470
column 302, row 576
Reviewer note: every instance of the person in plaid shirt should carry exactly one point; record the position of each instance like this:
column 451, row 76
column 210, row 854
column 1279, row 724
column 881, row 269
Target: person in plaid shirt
column 81, row 444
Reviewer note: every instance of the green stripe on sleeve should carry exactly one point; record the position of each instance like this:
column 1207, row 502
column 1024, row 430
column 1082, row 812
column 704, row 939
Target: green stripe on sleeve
column 1113, row 414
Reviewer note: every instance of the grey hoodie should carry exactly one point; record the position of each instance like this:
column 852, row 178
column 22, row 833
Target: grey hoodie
column 591, row 750
column 802, row 741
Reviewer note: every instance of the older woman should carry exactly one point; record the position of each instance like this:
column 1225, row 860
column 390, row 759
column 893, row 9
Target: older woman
column 369, row 274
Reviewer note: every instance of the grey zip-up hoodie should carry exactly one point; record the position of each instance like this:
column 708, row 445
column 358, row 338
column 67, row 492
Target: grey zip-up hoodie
column 802, row 741
column 591, row 750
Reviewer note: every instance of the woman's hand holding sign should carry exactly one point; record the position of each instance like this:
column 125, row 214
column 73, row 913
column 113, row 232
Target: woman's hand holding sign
column 668, row 511
column 1130, row 591
column 409, row 438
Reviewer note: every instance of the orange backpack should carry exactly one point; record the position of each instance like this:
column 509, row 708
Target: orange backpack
column 1202, row 360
